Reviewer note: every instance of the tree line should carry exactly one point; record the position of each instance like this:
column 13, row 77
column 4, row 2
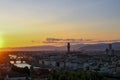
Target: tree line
column 75, row 75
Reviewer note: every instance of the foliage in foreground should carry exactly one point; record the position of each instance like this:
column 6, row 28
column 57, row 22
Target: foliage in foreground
column 75, row 75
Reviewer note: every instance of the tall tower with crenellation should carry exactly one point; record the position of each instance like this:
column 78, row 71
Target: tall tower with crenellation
column 68, row 47
column 110, row 50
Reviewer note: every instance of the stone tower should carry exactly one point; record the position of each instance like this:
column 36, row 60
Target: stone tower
column 68, row 47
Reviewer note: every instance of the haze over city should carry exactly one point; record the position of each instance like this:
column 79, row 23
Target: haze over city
column 54, row 22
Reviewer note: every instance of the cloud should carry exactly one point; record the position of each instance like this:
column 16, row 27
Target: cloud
column 107, row 41
column 61, row 41
column 35, row 41
column 53, row 39
column 76, row 41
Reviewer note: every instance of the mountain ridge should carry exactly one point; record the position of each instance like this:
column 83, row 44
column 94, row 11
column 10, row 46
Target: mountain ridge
column 77, row 47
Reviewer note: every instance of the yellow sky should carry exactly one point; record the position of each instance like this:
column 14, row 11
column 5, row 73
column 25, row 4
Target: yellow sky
column 30, row 23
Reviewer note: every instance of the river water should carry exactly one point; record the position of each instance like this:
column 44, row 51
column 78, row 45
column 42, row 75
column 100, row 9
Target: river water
column 18, row 63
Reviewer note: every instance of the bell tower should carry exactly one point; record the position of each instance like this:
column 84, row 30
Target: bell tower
column 68, row 47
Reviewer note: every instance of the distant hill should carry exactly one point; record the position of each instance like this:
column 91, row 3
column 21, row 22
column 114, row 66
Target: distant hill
column 100, row 47
column 78, row 47
column 46, row 48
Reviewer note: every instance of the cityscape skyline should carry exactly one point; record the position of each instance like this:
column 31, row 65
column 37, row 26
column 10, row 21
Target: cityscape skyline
column 38, row 22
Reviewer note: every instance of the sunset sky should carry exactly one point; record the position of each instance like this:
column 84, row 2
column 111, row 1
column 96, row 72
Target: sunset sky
column 54, row 22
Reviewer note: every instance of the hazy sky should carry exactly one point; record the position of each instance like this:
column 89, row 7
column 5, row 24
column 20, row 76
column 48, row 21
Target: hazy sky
column 32, row 22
